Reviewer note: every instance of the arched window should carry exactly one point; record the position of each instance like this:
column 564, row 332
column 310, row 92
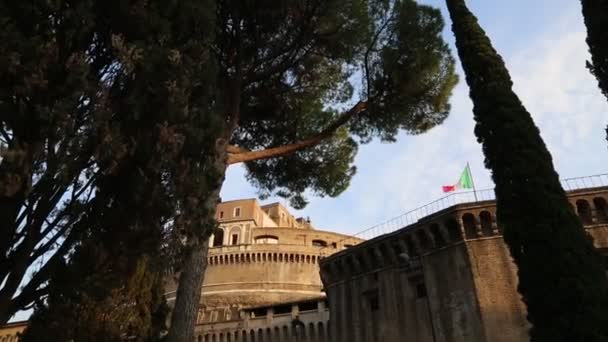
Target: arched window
column 311, row 331
column 319, row 243
column 470, row 228
column 321, row 332
column 266, row 239
column 425, row 241
column 453, row 230
column 286, row 333
column 486, row 223
column 218, row 237
column 435, row 231
column 235, row 234
column 584, row 211
column 601, row 208
column 411, row 246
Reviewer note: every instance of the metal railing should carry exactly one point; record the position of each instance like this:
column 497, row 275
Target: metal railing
column 445, row 202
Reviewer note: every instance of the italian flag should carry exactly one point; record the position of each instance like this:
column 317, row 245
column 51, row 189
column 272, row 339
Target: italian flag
column 465, row 181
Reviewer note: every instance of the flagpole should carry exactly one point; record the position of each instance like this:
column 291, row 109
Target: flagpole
column 472, row 182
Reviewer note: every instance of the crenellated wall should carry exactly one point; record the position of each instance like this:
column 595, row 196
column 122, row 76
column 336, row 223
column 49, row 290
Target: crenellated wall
column 261, row 275
column 10, row 332
column 269, row 272
column 448, row 277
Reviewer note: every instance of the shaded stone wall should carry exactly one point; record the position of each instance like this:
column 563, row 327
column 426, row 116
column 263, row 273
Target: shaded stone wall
column 449, row 277
column 298, row 322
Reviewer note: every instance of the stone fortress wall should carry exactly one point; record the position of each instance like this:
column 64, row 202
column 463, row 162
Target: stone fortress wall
column 254, row 265
column 305, row 321
column 10, row 332
column 448, row 277
column 262, row 280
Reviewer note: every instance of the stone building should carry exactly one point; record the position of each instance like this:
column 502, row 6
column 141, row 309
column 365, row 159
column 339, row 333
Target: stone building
column 447, row 277
column 10, row 332
column 262, row 281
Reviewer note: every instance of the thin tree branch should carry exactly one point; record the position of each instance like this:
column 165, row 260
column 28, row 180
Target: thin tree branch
column 237, row 155
column 236, row 149
column 6, row 137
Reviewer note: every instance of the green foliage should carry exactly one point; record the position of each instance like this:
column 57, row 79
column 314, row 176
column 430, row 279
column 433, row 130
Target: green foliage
column 595, row 13
column 411, row 75
column 561, row 277
column 299, row 63
column 109, row 133
column 122, row 300
column 52, row 106
column 116, row 116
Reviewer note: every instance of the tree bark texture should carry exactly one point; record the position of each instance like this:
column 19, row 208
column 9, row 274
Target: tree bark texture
column 188, row 295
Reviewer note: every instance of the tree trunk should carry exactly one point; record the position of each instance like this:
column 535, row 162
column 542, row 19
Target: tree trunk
column 188, row 297
column 561, row 276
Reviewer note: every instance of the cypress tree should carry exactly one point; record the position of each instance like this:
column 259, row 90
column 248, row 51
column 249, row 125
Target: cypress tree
column 561, row 276
column 595, row 13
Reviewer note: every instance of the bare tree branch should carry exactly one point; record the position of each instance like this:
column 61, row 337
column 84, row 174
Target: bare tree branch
column 237, row 155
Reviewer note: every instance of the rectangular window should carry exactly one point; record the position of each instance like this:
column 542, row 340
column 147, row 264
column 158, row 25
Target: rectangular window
column 235, row 239
column 237, row 212
column 282, row 309
column 262, row 312
column 221, row 214
column 373, row 300
column 420, row 290
column 308, row 306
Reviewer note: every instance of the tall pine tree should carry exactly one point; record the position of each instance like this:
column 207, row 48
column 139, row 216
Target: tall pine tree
column 183, row 89
column 153, row 158
column 595, row 13
column 561, row 276
column 53, row 111
column 285, row 96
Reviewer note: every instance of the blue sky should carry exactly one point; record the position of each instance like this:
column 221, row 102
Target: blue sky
column 543, row 44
